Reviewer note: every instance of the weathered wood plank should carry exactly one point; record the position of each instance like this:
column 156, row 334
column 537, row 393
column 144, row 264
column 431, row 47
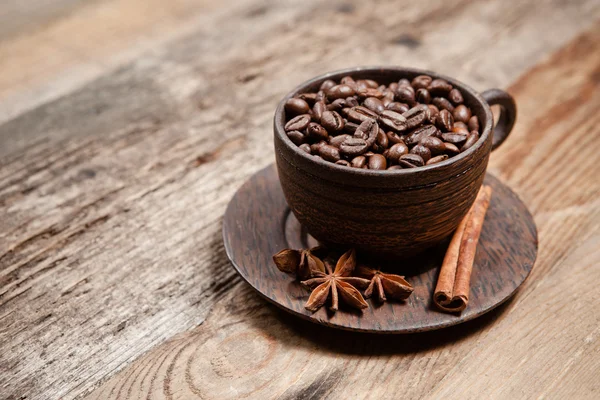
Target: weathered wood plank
column 111, row 199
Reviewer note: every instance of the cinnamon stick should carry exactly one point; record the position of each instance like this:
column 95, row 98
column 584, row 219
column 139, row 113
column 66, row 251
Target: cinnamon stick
column 452, row 290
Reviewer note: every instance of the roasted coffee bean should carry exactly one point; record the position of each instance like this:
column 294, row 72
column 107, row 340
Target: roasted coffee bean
column 314, row 148
column 404, row 82
column 397, row 107
column 421, row 82
column 360, row 114
column 423, row 96
column 406, row 94
column 444, row 121
column 451, row 148
column 368, row 130
column 296, row 137
column 368, row 153
column 418, row 134
column 332, row 121
column 393, row 120
column 326, row 85
column 442, row 104
column 455, row 97
column 460, row 126
column 350, row 127
column 308, row 97
column 377, row 161
column 432, row 113
column 434, row 144
column 329, row 153
column 439, row 87
column 394, row 167
column 298, row 123
column 340, row 92
column 348, row 80
column 351, row 102
column 454, row 138
column 473, row 124
column 353, row 147
column 437, row 159
column 416, row 116
column 296, row 106
column 317, row 111
column 367, row 83
column 343, row 162
column 411, row 161
column 359, row 162
column 305, row 147
column 461, row 113
column 397, row 151
column 381, row 142
column 368, row 92
column 471, row 140
column 388, row 97
column 374, row 104
column 337, row 141
column 394, row 138
column 316, row 133
column 337, row 105
column 422, row 151
column 320, row 96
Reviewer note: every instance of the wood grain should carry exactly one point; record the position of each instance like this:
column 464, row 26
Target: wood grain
column 111, row 197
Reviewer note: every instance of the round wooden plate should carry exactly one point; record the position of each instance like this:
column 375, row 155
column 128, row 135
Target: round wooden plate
column 258, row 223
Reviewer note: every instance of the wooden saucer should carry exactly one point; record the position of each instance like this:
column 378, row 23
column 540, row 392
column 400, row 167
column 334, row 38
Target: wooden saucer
column 258, row 223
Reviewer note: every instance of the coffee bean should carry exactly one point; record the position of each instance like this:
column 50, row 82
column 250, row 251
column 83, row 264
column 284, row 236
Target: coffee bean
column 422, row 151
column 471, row 140
column 343, row 162
column 329, row 153
column 442, row 104
column 423, row 96
column 308, row 97
column 406, row 94
column 360, row 114
column 316, row 133
column 317, row 111
column 381, row 142
column 351, row 102
column 337, row 105
column 434, row 144
column 388, row 97
column 368, row 130
column 368, row 153
column 298, row 123
column 461, row 113
column 437, row 159
column 394, row 138
column 411, row 161
column 377, row 161
column 460, row 127
column 404, row 82
column 314, row 148
column 337, row 141
column 374, row 104
column 451, row 148
column 416, row 116
column 367, row 83
column 332, row 121
column 473, row 124
column 368, row 92
column 454, row 138
column 305, row 147
column 359, row 162
column 326, row 85
column 397, row 151
column 418, row 134
column 444, row 121
column 296, row 137
column 439, row 87
column 394, row 167
column 320, row 96
column 455, row 96
column 432, row 113
column 350, row 127
column 296, row 106
column 348, row 80
column 353, row 147
column 340, row 92
column 393, row 120
column 421, row 82
column 397, row 107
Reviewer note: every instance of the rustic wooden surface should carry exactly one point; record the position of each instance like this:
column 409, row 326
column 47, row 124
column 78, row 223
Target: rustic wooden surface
column 127, row 125
column 258, row 223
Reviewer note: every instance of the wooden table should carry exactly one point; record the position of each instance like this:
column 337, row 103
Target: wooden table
column 127, row 125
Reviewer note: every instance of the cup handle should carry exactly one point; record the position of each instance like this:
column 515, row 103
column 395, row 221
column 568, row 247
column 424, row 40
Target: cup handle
column 508, row 114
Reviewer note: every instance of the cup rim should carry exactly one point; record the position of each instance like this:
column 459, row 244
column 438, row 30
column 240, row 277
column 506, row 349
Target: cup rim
column 279, row 121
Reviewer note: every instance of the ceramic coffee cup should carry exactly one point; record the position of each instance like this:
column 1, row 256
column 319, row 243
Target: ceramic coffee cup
column 396, row 213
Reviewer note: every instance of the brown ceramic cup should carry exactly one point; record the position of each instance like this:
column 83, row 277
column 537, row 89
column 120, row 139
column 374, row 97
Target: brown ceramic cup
column 389, row 214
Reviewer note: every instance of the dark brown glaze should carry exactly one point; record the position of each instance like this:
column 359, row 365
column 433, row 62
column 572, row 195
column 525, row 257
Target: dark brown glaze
column 258, row 224
column 391, row 213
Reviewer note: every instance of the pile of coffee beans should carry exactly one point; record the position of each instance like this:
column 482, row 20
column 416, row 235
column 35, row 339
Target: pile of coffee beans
column 362, row 124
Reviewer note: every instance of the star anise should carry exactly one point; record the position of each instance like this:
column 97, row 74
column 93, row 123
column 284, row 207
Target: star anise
column 303, row 263
column 385, row 285
column 337, row 283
